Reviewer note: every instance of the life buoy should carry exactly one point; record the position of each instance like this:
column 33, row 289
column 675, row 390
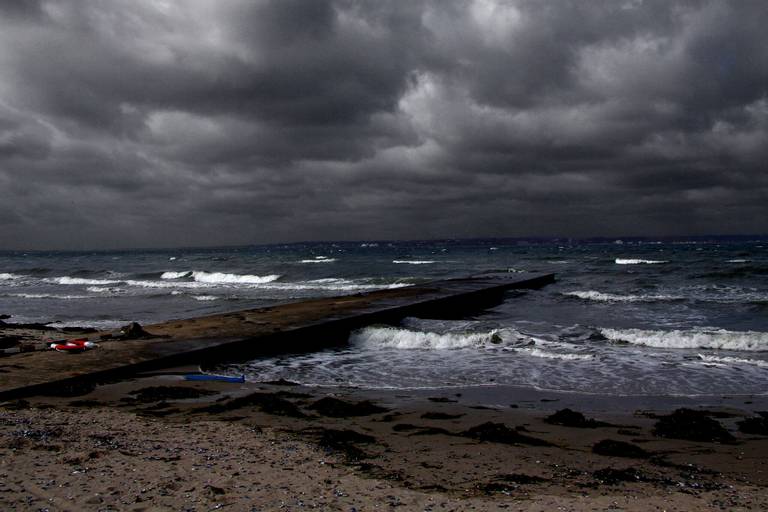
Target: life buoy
column 72, row 346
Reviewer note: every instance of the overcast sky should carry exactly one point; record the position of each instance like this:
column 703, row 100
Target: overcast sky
column 166, row 123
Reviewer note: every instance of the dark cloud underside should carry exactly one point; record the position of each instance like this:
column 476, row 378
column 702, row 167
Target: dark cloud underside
column 159, row 123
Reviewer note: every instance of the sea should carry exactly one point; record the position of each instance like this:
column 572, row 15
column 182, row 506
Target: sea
column 626, row 317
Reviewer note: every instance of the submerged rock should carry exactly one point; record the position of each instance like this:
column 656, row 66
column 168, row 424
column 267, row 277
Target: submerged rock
column 693, row 426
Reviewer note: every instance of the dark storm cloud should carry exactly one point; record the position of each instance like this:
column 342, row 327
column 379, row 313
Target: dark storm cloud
column 196, row 123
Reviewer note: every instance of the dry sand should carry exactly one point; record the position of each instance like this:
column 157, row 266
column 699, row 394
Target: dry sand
column 207, row 446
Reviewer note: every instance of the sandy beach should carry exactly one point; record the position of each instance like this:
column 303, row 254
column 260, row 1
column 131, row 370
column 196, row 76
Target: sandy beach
column 161, row 443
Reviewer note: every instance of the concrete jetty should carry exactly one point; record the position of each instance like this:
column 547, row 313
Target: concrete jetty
column 292, row 327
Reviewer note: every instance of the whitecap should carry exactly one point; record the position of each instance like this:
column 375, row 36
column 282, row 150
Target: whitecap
column 633, row 261
column 393, row 337
column 544, row 354
column 175, row 275
column 738, row 261
column 732, row 360
column 319, row 259
column 79, row 281
column 215, row 278
column 206, row 297
column 53, row 296
column 691, row 339
column 414, row 262
column 594, row 295
column 7, row 276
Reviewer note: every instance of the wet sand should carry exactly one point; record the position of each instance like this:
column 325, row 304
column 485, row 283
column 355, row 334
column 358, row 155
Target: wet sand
column 162, row 443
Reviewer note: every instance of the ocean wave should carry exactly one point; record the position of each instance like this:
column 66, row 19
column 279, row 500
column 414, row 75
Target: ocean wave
column 394, row 337
column 544, row 354
column 201, row 276
column 319, row 259
column 79, row 281
column 7, row 276
column 105, row 290
column 53, row 296
column 738, row 261
column 206, row 297
column 691, row 339
column 413, row 262
column 610, row 297
column 633, row 261
column 732, row 360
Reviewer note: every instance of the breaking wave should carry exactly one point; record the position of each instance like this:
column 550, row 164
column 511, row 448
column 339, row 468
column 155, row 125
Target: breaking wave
column 413, row 262
column 732, row 360
column 611, row 297
column 633, row 261
column 393, row 337
column 48, row 296
column 7, row 276
column 220, row 277
column 536, row 352
column 692, row 339
column 319, row 259
column 80, row 281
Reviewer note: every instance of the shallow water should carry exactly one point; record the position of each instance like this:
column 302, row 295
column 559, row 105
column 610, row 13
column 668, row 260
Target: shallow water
column 638, row 318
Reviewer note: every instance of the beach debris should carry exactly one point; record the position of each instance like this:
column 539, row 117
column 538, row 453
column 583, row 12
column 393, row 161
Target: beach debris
column 159, row 393
column 335, row 408
column 613, row 476
column 693, row 426
column 75, row 346
column 500, row 433
column 757, row 425
column 269, row 403
column 570, row 418
column 613, row 448
column 344, row 441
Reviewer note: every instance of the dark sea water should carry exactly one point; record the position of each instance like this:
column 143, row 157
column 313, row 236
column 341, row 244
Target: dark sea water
column 684, row 318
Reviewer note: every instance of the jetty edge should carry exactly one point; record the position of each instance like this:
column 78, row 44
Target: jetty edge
column 291, row 327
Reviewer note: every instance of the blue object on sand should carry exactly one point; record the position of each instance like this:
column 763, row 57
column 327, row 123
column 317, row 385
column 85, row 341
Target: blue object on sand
column 220, row 378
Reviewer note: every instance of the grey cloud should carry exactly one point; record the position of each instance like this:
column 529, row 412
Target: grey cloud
column 235, row 122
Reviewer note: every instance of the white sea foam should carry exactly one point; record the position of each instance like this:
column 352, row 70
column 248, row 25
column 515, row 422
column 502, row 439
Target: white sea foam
column 633, row 261
column 48, row 296
column 319, row 259
column 414, row 262
column 7, row 276
column 218, row 277
column 105, row 290
column 692, row 339
column 611, row 297
column 79, row 280
column 393, row 337
column 535, row 352
column 175, row 275
column 205, row 297
column 732, row 360
column 738, row 261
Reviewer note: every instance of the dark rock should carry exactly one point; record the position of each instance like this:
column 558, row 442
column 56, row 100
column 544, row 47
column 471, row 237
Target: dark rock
column 335, row 408
column 158, row 393
column 134, row 331
column 269, row 403
column 16, row 405
column 757, row 425
column 693, row 426
column 500, row 433
column 570, row 418
column 611, row 476
column 5, row 317
column 440, row 416
column 613, row 448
